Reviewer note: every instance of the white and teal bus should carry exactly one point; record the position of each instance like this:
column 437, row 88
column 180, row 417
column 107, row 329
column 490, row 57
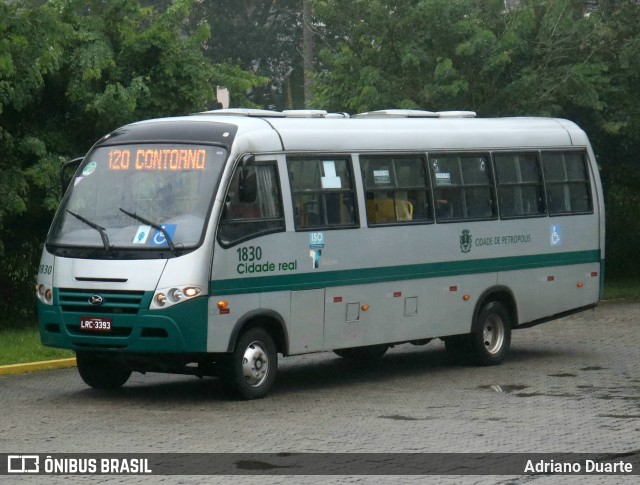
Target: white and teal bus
column 209, row 244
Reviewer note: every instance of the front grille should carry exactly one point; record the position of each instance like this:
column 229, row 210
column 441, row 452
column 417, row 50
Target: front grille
column 113, row 302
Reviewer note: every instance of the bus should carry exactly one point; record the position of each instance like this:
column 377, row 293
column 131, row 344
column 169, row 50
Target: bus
column 209, row 244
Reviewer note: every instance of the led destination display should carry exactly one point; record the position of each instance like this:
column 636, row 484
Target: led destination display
column 174, row 159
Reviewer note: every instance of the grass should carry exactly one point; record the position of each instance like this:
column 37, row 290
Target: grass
column 622, row 289
column 21, row 344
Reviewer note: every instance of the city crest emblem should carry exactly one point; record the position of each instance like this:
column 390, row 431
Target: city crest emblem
column 465, row 241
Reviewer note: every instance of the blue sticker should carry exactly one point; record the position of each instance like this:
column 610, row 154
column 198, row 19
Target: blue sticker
column 142, row 235
column 158, row 239
column 315, row 257
column 316, row 240
column 556, row 235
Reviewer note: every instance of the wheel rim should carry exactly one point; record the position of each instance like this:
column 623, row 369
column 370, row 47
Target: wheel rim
column 493, row 334
column 255, row 364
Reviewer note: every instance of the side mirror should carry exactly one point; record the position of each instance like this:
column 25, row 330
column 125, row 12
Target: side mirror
column 67, row 171
column 247, row 159
column 247, row 183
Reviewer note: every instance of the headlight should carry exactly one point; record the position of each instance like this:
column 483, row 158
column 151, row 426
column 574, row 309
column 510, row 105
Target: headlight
column 166, row 297
column 175, row 295
column 44, row 293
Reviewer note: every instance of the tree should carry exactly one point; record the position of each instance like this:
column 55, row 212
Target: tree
column 617, row 130
column 459, row 54
column 264, row 37
column 31, row 48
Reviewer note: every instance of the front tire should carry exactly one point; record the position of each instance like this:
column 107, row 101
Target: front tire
column 251, row 370
column 102, row 371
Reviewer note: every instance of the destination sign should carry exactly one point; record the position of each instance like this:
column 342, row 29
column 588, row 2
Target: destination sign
column 157, row 159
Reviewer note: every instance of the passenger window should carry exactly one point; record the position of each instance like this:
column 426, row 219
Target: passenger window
column 462, row 187
column 519, row 179
column 567, row 181
column 253, row 205
column 323, row 193
column 397, row 189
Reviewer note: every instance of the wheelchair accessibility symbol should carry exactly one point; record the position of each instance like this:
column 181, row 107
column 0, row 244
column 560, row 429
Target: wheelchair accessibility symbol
column 158, row 239
column 556, row 235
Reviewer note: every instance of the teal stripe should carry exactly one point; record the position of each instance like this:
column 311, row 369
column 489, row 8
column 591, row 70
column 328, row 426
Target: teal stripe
column 316, row 279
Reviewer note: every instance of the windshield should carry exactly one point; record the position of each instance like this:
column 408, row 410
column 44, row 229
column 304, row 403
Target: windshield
column 144, row 197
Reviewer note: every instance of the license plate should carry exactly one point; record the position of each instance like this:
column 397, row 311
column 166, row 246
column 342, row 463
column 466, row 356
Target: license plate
column 95, row 324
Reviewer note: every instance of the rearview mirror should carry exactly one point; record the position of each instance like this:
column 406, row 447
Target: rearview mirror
column 248, row 185
column 67, row 171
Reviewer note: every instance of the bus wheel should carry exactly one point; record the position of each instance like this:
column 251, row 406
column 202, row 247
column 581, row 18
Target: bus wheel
column 364, row 354
column 251, row 371
column 490, row 342
column 102, row 371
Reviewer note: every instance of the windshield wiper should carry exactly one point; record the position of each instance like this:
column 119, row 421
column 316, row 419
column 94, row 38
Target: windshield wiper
column 158, row 227
column 100, row 229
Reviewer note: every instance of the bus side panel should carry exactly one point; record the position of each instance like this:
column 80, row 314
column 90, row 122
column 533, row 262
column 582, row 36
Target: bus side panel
column 306, row 330
column 401, row 310
column 570, row 274
column 223, row 320
column 543, row 292
column 255, row 278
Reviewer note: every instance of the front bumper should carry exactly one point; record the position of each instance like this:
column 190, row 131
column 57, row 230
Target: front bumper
column 181, row 328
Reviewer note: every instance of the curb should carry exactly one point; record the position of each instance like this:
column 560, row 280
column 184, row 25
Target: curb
column 13, row 369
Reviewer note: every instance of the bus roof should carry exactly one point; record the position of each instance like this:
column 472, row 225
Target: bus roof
column 263, row 131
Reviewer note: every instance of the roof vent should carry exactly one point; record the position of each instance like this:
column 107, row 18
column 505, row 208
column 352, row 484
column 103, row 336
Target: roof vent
column 305, row 113
column 397, row 113
column 415, row 113
column 456, row 114
column 261, row 113
column 312, row 113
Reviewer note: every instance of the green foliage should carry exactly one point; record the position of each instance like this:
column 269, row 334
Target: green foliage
column 30, row 49
column 127, row 62
column 537, row 58
column 261, row 36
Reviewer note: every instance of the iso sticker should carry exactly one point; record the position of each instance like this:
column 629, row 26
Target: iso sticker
column 316, row 240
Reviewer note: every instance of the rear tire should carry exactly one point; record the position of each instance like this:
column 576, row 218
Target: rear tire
column 363, row 354
column 488, row 344
column 492, row 338
column 102, row 371
column 251, row 370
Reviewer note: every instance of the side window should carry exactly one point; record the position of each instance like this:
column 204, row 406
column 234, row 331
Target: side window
column 396, row 189
column 253, row 205
column 519, row 179
column 462, row 187
column 567, row 181
column 323, row 192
